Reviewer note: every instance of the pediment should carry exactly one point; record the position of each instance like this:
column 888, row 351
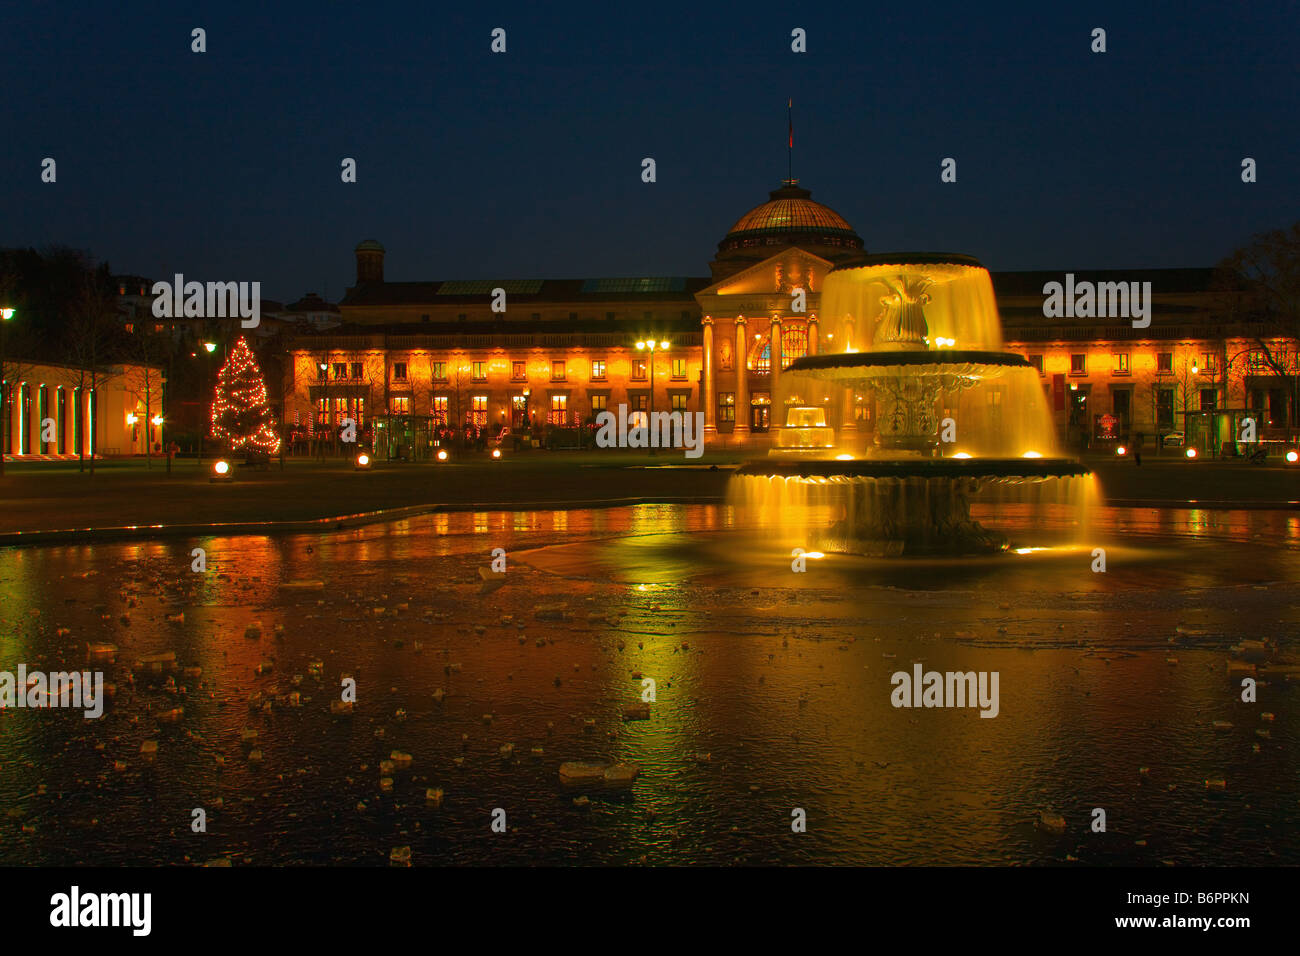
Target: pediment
column 781, row 272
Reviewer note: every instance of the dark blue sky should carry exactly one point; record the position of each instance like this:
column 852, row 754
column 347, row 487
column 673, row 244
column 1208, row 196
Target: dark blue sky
column 225, row 165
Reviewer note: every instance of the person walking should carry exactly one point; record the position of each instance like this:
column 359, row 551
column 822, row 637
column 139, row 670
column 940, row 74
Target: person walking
column 1137, row 448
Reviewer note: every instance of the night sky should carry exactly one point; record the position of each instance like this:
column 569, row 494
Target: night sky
column 225, row 165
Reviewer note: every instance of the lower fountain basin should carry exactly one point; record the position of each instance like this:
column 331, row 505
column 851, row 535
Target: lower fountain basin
column 987, row 468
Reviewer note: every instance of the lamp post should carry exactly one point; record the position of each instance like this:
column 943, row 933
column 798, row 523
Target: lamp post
column 651, row 345
column 5, row 315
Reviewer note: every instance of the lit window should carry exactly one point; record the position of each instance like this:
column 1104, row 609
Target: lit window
column 598, row 404
column 557, row 370
column 479, row 412
column 401, row 405
column 1207, row 361
column 726, row 406
column 794, row 344
column 679, row 368
column 1037, row 362
column 440, row 409
column 638, row 370
column 518, row 371
column 559, row 407
column 1164, row 361
column 1079, row 364
column 440, row 371
column 1121, row 363
column 679, row 402
column 480, row 371
column 598, row 369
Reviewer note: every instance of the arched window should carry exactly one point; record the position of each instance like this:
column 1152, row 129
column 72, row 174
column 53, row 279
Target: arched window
column 794, row 344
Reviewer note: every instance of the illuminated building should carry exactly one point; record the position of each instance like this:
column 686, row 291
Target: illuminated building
column 120, row 415
column 564, row 349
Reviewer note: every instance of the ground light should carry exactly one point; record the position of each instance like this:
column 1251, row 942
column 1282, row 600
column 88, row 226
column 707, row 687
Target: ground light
column 1190, row 453
column 221, row 471
column 442, row 454
column 1121, row 451
column 363, row 461
column 496, row 452
column 1032, row 454
column 1292, row 457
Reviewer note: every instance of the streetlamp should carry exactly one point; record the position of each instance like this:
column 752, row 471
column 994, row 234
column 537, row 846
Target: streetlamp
column 6, row 314
column 652, row 345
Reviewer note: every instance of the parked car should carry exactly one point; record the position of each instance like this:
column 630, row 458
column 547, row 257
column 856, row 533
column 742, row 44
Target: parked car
column 1172, row 440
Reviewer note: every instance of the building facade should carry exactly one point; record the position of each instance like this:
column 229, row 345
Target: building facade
column 60, row 411
column 499, row 353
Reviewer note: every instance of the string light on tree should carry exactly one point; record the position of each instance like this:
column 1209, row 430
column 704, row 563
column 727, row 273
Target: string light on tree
column 241, row 415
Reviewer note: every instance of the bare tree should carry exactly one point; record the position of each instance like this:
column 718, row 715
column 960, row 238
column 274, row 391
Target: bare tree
column 90, row 336
column 1266, row 275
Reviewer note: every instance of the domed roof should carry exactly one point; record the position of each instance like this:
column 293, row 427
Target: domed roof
column 369, row 245
column 790, row 209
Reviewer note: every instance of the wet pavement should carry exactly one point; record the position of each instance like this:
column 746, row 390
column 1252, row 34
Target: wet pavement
column 772, row 692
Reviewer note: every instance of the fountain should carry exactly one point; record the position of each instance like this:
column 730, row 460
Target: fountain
column 888, row 441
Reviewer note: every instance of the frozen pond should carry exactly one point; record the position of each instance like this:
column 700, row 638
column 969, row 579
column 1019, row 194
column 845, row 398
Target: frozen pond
column 773, row 692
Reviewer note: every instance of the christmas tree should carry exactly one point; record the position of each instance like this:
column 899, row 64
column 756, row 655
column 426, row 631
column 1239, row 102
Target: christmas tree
column 240, row 413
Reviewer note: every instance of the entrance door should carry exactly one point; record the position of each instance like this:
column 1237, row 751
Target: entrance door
column 759, row 416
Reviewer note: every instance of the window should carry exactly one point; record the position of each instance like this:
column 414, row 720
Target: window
column 1121, row 403
column 679, row 368
column 726, row 407
column 480, row 371
column 1207, row 361
column 1164, row 408
column 1164, row 362
column 1209, row 399
column 1120, row 365
column 557, row 370
column 357, row 373
column 537, row 316
column 598, row 404
column 479, row 411
column 794, row 344
column 322, row 411
column 1037, row 362
column 573, row 316
column 638, row 370
column 399, row 371
column 322, row 372
column 679, row 402
column 518, row 371
column 559, row 407
column 598, row 370
column 461, row 317
column 1079, row 364
column 440, row 409
column 609, row 316
column 764, row 363
column 641, row 403
column 424, row 318
column 439, row 371
column 340, row 370
column 400, row 405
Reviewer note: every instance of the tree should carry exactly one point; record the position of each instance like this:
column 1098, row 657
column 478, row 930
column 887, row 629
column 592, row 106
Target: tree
column 148, row 351
column 89, row 339
column 241, row 415
column 1266, row 275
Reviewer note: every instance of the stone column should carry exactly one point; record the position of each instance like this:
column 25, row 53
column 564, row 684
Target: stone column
column 776, row 411
column 741, row 431
column 814, row 333
column 708, row 395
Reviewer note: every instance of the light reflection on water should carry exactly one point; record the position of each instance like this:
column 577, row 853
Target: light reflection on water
column 782, row 680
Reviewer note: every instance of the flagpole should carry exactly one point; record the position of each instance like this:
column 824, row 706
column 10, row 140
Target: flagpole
column 789, row 156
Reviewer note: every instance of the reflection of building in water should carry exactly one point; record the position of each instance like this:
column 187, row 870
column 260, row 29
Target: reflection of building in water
column 564, row 349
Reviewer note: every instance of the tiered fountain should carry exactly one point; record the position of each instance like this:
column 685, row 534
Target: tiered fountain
column 889, row 439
